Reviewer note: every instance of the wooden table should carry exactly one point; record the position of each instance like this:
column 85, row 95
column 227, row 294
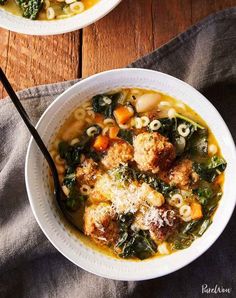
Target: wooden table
column 133, row 29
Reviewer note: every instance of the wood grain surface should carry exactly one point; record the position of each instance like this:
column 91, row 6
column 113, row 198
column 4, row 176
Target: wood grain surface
column 133, row 29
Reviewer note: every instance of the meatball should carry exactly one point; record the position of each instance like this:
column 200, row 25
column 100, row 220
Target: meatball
column 119, row 152
column 183, row 176
column 153, row 152
column 163, row 221
column 87, row 172
column 100, row 224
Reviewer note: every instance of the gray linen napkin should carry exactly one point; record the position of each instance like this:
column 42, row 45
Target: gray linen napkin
column 204, row 56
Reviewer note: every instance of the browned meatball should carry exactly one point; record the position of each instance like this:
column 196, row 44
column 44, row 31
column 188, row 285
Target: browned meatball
column 119, row 152
column 87, row 172
column 100, row 224
column 153, row 152
column 183, row 176
column 164, row 221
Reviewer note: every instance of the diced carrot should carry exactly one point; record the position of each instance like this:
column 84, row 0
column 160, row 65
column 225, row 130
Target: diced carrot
column 196, row 211
column 101, row 143
column 123, row 114
column 98, row 118
column 113, row 132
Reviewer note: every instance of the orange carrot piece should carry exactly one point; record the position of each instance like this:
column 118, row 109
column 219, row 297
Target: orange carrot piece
column 113, row 132
column 101, row 143
column 196, row 211
column 98, row 118
column 123, row 114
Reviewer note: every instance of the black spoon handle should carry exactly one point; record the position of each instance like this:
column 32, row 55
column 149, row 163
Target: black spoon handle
column 33, row 131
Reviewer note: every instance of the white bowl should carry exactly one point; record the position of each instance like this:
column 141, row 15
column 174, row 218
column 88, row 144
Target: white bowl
column 45, row 210
column 26, row 26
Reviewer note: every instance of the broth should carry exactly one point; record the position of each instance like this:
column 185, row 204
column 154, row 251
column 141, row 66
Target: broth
column 61, row 8
column 146, row 167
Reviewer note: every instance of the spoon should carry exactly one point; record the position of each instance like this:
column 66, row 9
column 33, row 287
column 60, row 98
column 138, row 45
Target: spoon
column 75, row 218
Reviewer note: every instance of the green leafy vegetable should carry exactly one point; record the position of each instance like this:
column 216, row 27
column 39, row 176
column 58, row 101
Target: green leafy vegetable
column 105, row 104
column 72, row 153
column 189, row 232
column 204, row 195
column 124, row 173
column 198, row 143
column 195, row 124
column 74, row 200
column 30, row 8
column 134, row 244
column 210, row 169
column 126, row 135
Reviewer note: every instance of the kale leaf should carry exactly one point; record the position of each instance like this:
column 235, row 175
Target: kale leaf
column 105, row 104
column 197, row 144
column 124, row 173
column 134, row 244
column 196, row 141
column 126, row 135
column 210, row 169
column 204, row 195
column 189, row 232
column 74, row 200
column 72, row 153
column 30, row 8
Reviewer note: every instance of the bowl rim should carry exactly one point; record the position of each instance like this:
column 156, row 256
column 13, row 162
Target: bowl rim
column 165, row 271
column 22, row 25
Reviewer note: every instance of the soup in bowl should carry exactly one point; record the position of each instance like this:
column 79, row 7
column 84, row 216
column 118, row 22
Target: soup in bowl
column 143, row 169
column 50, row 17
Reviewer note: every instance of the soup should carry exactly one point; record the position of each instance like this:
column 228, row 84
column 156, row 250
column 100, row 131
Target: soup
column 46, row 9
column 142, row 168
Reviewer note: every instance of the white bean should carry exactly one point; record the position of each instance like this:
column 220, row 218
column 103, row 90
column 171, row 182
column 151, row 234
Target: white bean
column 50, row 13
column 163, row 248
column 147, row 102
column 171, row 113
column 212, row 149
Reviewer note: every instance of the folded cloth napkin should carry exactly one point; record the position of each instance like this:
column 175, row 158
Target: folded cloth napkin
column 204, row 56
